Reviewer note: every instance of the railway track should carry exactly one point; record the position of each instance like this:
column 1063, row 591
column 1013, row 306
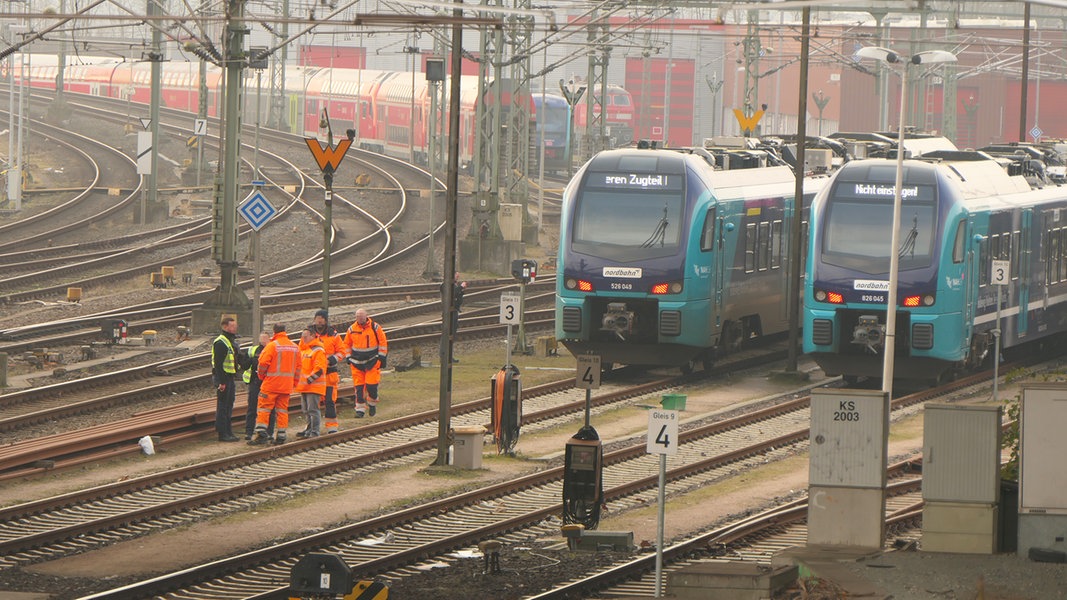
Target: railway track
column 177, row 310
column 756, row 539
column 190, row 419
column 379, row 236
column 49, row 527
column 512, row 511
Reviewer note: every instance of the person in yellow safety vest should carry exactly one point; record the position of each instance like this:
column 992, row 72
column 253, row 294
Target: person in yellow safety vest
column 312, row 382
column 279, row 368
column 251, row 368
column 335, row 354
column 367, row 349
column 223, row 370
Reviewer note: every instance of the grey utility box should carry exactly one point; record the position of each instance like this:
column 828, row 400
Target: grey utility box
column 846, row 480
column 961, row 478
column 849, row 434
column 961, row 453
column 1042, row 475
column 467, row 447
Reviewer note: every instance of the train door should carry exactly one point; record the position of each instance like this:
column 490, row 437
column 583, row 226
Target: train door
column 709, row 248
column 1022, row 272
column 366, row 123
column 296, row 122
column 718, row 261
column 971, row 280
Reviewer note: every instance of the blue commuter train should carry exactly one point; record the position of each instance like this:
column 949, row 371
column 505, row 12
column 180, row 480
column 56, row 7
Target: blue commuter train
column 553, row 118
column 666, row 260
column 960, row 212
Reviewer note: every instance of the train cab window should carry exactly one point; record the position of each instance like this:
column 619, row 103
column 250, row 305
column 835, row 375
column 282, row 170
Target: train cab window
column 854, row 234
column 707, row 235
column 620, row 220
column 959, row 245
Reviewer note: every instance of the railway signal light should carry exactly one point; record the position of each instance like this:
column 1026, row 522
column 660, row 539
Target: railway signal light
column 524, row 269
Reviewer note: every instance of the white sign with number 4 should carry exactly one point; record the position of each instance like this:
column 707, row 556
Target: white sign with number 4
column 662, row 432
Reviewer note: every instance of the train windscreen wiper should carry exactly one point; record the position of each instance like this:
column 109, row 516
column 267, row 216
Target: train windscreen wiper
column 659, row 234
column 908, row 245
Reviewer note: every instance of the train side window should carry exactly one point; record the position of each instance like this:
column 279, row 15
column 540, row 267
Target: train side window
column 765, row 242
column 1062, row 262
column 1053, row 256
column 983, row 262
column 1046, row 239
column 959, row 244
column 776, row 250
column 707, row 236
column 1015, row 254
column 750, row 247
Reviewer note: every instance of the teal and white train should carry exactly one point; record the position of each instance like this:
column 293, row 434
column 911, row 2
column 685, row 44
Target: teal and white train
column 970, row 223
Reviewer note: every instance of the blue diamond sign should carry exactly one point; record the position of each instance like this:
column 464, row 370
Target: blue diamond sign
column 1036, row 133
column 257, row 210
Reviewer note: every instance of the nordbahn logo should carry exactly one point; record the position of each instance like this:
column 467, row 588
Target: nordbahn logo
column 623, row 272
column 870, row 285
column 327, row 157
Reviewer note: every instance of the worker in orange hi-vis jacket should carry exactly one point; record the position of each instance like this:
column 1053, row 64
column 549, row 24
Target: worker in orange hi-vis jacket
column 335, row 355
column 312, row 382
column 279, row 368
column 367, row 352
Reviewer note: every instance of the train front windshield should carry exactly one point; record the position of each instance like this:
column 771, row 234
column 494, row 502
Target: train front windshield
column 629, row 216
column 855, row 235
column 554, row 119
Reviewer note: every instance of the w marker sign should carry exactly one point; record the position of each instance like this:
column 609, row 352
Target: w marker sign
column 327, row 157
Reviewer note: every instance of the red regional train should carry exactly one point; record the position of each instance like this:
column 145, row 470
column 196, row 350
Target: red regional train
column 378, row 105
column 620, row 115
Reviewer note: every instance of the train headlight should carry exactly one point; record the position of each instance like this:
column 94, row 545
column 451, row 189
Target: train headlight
column 928, row 300
column 570, row 283
column 911, row 301
column 820, row 295
column 584, row 286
